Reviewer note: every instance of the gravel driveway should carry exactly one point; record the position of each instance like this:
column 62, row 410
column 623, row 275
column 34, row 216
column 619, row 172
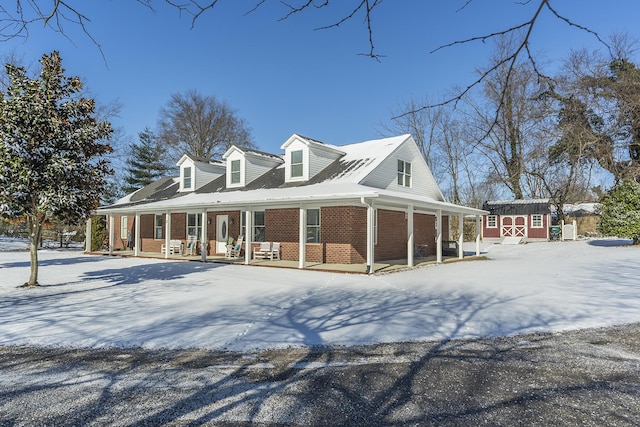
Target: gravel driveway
column 587, row 377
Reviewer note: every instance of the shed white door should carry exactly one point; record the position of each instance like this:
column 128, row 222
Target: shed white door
column 222, row 233
column 513, row 226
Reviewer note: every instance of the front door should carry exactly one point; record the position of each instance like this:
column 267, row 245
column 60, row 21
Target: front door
column 222, row 233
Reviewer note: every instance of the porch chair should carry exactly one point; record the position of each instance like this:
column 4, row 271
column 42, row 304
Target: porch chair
column 190, row 249
column 233, row 252
column 275, row 251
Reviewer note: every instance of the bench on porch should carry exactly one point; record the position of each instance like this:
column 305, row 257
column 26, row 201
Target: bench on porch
column 450, row 247
column 175, row 247
column 267, row 250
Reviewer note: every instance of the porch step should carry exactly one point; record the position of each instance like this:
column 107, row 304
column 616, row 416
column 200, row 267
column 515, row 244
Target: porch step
column 512, row 240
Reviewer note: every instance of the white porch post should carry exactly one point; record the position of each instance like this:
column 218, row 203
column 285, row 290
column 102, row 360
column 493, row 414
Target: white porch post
column 562, row 231
column 111, row 234
column 438, row 235
column 461, row 236
column 205, row 241
column 478, row 230
column 248, row 220
column 371, row 212
column 87, row 236
column 410, row 244
column 136, row 239
column 167, row 233
column 302, row 237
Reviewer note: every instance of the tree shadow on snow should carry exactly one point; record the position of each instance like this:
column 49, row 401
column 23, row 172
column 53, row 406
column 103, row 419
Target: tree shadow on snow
column 54, row 261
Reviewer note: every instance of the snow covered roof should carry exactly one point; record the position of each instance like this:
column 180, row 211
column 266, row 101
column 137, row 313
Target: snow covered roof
column 517, row 207
column 342, row 179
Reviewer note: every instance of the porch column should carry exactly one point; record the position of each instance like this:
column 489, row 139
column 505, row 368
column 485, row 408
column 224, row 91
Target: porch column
column 167, row 233
column 461, row 236
column 205, row 240
column 371, row 212
column 111, row 234
column 438, row 235
column 410, row 244
column 302, row 237
column 136, row 239
column 478, row 230
column 562, row 230
column 87, row 236
column 248, row 220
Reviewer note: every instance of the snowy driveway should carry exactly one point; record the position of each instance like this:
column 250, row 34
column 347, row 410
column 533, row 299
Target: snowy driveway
column 89, row 301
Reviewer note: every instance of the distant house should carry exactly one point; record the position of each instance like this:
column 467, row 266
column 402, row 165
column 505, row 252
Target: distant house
column 356, row 203
column 529, row 219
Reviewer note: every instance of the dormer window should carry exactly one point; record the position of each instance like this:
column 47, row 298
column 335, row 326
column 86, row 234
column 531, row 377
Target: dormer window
column 186, row 178
column 404, row 173
column 235, row 171
column 296, row 164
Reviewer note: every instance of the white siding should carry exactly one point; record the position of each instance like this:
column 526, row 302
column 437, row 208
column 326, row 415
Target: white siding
column 205, row 173
column 318, row 160
column 256, row 167
column 422, row 181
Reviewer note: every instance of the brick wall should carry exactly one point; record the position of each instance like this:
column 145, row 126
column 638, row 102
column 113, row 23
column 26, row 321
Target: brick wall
column 281, row 225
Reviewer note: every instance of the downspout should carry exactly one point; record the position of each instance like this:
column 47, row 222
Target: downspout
column 370, row 237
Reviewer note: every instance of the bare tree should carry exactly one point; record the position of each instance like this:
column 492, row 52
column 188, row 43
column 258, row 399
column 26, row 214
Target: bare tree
column 508, row 138
column 201, row 126
column 442, row 140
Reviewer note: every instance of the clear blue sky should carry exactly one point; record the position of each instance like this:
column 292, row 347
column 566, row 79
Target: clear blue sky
column 284, row 77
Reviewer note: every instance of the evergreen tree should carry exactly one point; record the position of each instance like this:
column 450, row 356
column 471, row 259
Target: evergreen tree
column 51, row 150
column 621, row 212
column 146, row 163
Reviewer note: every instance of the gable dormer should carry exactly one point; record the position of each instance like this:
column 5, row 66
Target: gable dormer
column 305, row 157
column 245, row 165
column 195, row 173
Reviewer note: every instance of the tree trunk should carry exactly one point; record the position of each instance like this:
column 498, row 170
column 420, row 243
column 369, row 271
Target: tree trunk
column 35, row 233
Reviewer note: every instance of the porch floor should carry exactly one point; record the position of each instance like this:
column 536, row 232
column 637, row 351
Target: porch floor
column 378, row 267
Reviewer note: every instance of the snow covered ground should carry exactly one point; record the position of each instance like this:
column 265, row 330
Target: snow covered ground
column 98, row 301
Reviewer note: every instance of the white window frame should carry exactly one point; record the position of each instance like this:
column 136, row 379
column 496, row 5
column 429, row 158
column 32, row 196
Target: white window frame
column 293, row 166
column 158, row 227
column 537, row 221
column 495, row 221
column 309, row 227
column 197, row 227
column 187, row 178
column 256, row 227
column 404, row 173
column 124, row 227
column 235, row 177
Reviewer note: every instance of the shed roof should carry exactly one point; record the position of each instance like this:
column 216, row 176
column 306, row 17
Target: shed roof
column 517, row 207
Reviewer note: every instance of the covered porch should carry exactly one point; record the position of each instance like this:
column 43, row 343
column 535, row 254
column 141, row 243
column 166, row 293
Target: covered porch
column 367, row 240
column 384, row 266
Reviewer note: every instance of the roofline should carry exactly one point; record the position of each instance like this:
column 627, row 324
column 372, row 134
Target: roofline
column 446, row 207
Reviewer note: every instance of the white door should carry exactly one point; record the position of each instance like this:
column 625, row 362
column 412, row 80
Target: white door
column 222, row 233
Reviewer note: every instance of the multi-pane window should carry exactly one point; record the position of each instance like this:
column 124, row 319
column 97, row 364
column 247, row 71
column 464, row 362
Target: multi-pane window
column 186, row 178
column 492, row 221
column 296, row 164
column 313, row 226
column 235, row 171
column 124, row 229
column 158, row 224
column 404, row 173
column 258, row 226
column 536, row 221
column 194, row 225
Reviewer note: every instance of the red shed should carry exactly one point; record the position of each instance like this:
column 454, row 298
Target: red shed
column 529, row 219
